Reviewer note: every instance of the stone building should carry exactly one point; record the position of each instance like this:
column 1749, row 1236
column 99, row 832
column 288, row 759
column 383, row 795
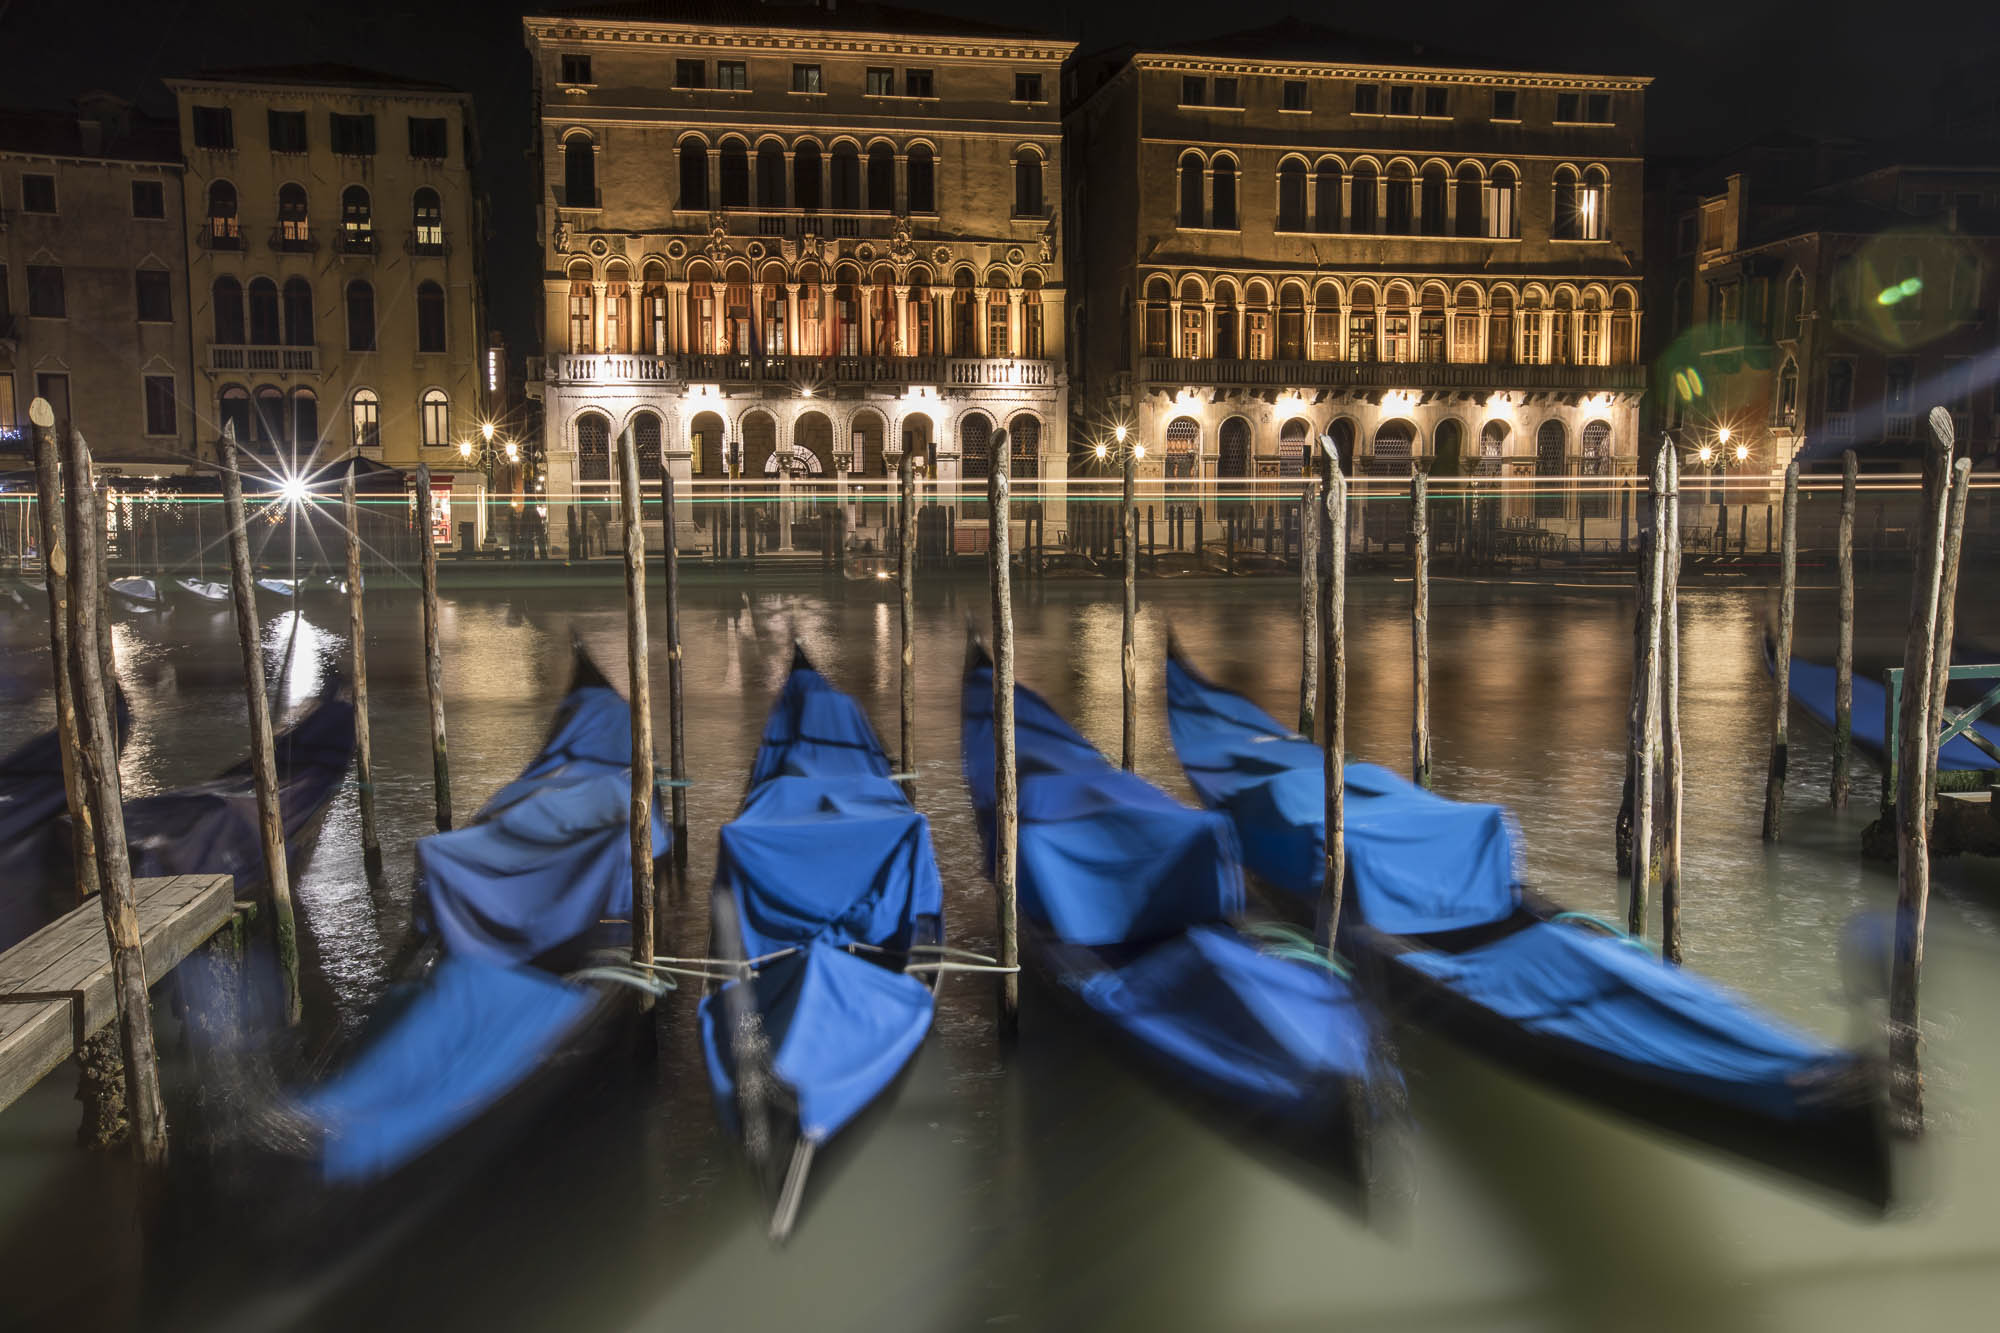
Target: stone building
column 793, row 241
column 335, row 265
column 1288, row 232
column 93, row 302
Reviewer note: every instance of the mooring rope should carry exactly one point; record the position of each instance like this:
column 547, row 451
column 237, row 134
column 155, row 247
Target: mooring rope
column 1607, row 927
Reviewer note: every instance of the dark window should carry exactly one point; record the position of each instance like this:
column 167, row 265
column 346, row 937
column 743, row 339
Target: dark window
column 54, row 388
column 1027, row 87
column 1292, row 196
column 805, row 79
column 694, row 174
column 1367, row 98
column 38, row 194
column 1506, row 104
column 918, row 83
column 1402, row 100
column 1194, row 90
column 1191, row 191
column 353, row 135
column 735, row 172
column 1028, row 185
column 881, row 81
column 287, row 131
column 881, row 178
column 690, row 74
column 360, row 317
column 922, row 184
column 579, row 172
column 770, row 176
column 732, row 75
column 430, row 317
column 1568, row 107
column 149, row 199
column 808, row 178
column 298, row 303
column 213, row 127
column 161, row 418
column 234, row 414
column 1326, row 187
column 263, row 312
column 1598, row 109
column 45, row 292
column 1295, row 95
column 429, row 138
column 155, row 290
column 575, row 69
column 1225, row 93
column 847, row 177
column 227, row 301
column 1222, row 206
column 1436, row 102
column 1361, row 200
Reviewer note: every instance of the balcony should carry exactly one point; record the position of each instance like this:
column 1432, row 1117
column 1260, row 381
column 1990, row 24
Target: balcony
column 224, row 357
column 293, row 240
column 790, row 371
column 749, row 220
column 220, row 234
column 1363, row 376
column 617, row 368
column 352, row 241
column 433, row 246
column 1840, row 425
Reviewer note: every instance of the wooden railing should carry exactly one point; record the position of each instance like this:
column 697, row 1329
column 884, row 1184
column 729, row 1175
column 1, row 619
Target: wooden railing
column 1414, row 375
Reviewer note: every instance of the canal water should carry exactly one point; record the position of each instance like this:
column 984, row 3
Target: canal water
column 1046, row 1187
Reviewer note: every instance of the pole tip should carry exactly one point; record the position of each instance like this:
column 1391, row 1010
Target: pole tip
column 41, row 414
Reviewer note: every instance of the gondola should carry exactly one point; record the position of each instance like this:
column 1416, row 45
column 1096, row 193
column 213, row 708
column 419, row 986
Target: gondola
column 1437, row 922
column 1813, row 689
column 827, row 885
column 139, row 597
column 36, row 885
column 199, row 594
column 1129, row 903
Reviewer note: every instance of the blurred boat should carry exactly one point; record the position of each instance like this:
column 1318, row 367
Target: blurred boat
column 199, row 594
column 826, row 883
column 279, row 587
column 139, row 596
column 1813, row 689
column 1128, row 903
column 36, row 882
column 1437, row 921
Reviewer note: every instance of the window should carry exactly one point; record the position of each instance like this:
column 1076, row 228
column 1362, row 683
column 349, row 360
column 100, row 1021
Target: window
column 226, row 299
column 1225, row 93
column 286, row 131
column 1569, row 108
column 694, row 174
column 846, row 191
column 1402, row 100
column 1293, row 96
column 353, row 136
column 1711, row 228
column 917, row 83
column 149, row 199
column 294, row 228
column 593, row 447
column 1551, row 442
column 579, row 172
column 770, row 176
column 161, row 418
column 690, row 74
column 1432, row 213
column 360, row 316
column 881, row 81
column 155, row 290
column 429, row 138
column 1031, row 316
column 263, row 312
column 223, row 233
column 427, row 222
column 805, row 79
column 38, row 194
column 269, row 422
column 1027, row 87
column 1471, row 196
column 1785, row 410
column 45, row 292
column 305, row 418
column 1361, row 200
column 357, row 221
column 732, row 75
column 735, row 174
column 1597, row 109
column 1367, row 98
column 298, row 303
column 213, row 128
column 366, row 417
column 55, row 389
column 1326, row 196
column 1292, row 195
column 1028, row 184
column 575, row 69
column 1590, row 217
column 1194, row 90
column 436, row 418
column 1222, row 194
column 1437, row 101
column 583, row 310
column 921, row 187
column 1191, row 190
column 233, row 413
column 1898, row 379
column 430, row 317
column 881, row 178
column 1401, row 206
column 808, row 177
column 1839, row 386
column 1157, row 310
column 1506, row 104
column 1361, row 327
column 1430, row 326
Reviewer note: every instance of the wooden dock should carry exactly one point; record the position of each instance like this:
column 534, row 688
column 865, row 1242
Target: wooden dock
column 55, row 986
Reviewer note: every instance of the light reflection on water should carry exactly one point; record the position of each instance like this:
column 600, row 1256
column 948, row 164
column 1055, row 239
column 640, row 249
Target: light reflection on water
column 1049, row 1189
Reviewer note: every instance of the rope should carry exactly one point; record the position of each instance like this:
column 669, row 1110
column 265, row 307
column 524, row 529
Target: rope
column 943, row 949
column 958, row 967
column 1289, row 942
column 625, row 976
column 911, row 776
column 1605, row 926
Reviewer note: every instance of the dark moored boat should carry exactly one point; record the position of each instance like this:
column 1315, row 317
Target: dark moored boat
column 826, row 883
column 199, row 594
column 1813, row 688
column 1436, row 920
column 35, row 881
column 139, row 596
column 1127, row 899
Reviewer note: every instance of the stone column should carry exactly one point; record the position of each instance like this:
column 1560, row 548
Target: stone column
column 1208, row 328
column 901, row 292
column 902, row 183
column 597, row 324
column 1174, row 342
column 791, row 319
column 676, row 317
column 1014, row 322
column 1310, row 340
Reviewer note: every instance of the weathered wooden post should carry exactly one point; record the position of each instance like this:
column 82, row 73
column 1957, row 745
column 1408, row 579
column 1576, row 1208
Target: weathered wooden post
column 1843, row 653
column 906, row 616
column 1309, row 529
column 1333, row 661
column 1634, row 712
column 1914, row 741
column 676, row 730
column 640, row 697
column 1006, row 811
column 55, row 578
column 1781, row 705
column 1648, row 685
column 1128, row 528
column 1954, row 541
column 98, row 761
column 357, row 634
column 1672, row 762
column 433, row 651
column 1420, row 629
column 263, row 755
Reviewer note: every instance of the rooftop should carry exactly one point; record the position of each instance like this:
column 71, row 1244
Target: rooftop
column 127, row 135
column 1299, row 40
column 797, row 14
column 320, row 75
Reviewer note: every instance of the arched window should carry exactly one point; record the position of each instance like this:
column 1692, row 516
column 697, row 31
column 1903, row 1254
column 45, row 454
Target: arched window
column 1027, row 184
column 770, row 176
column 1182, row 437
column 1500, row 329
column 1430, row 325
column 430, row 317
column 435, row 417
column 1227, row 322
column 427, row 222
column 1501, row 221
column 617, row 307
column 1024, row 445
column 1566, row 225
column 1595, row 461
column 1361, row 200
column 268, row 423
column 1396, row 323
column 1191, row 191
column 1785, row 411
column 1193, row 320
column 1325, row 323
column 847, row 313
column 1031, row 316
column 298, row 312
column 1326, row 196
column 1465, row 327
column 1292, row 195
column 700, row 308
column 846, row 177
column 1839, row 385
column 1590, row 331
column 1340, row 430
column 964, row 315
column 734, row 170
column 1471, row 194
column 579, row 172
column 1533, row 347
column 223, row 230
column 1257, row 322
column 1234, row 448
column 1292, row 447
column 1550, row 443
column 294, row 230
column 922, row 332
column 1624, row 348
column 1158, row 313
column 694, row 174
column 1292, row 322
column 771, row 300
column 1393, row 453
column 264, row 325
column 1361, row 325
column 808, row 177
column 1447, row 446
column 646, row 436
column 1434, row 189
column 738, row 310
column 305, row 418
column 233, row 413
column 998, row 342
column 593, row 447
column 1592, row 205
column 583, row 309
column 357, row 221
column 1222, row 194
column 1401, row 208
column 1492, row 448
column 227, row 298
column 365, row 419
column 653, row 335
column 881, row 179
column 921, row 187
column 1795, row 305
column 1562, row 348
column 975, row 446
column 1965, row 288
column 360, row 316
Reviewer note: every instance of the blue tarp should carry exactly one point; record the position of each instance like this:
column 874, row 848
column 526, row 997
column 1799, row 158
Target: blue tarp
column 1561, row 981
column 1418, row 863
column 1813, row 689
column 469, row 1036
column 138, row 594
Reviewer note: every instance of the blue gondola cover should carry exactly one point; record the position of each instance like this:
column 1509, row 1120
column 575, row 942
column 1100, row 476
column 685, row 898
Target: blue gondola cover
column 1813, row 690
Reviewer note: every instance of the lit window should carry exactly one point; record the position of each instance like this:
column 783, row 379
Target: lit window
column 805, row 79
column 436, row 418
column 366, row 416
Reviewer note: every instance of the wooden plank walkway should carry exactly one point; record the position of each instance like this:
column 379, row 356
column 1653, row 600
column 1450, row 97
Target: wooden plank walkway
column 55, row 986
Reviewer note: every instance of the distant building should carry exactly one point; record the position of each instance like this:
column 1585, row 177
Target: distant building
column 1290, row 232
column 798, row 240
column 93, row 301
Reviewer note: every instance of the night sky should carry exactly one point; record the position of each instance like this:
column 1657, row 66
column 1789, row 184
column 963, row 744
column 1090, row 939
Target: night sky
column 1725, row 70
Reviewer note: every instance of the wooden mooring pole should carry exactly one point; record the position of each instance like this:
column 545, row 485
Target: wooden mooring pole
column 433, row 651
column 1420, row 630
column 676, row 699
column 97, row 759
column 906, row 615
column 1781, row 704
column 1642, row 576
column 1915, row 741
column 263, row 756
column 1843, row 653
column 1309, row 575
column 357, row 635
column 1333, row 662
column 1647, row 687
column 1006, row 793
column 1128, row 528
column 1672, row 763
column 55, row 578
column 640, row 697
column 1954, row 542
